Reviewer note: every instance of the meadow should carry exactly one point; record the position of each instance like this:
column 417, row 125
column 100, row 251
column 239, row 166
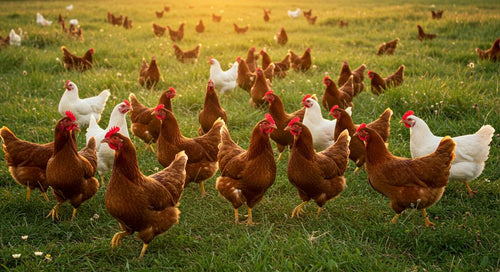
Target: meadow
column 445, row 84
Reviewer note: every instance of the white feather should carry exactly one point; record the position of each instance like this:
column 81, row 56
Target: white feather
column 42, row 21
column 223, row 80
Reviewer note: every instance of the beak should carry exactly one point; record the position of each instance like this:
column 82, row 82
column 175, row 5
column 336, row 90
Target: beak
column 105, row 140
column 274, row 126
column 286, row 128
column 401, row 122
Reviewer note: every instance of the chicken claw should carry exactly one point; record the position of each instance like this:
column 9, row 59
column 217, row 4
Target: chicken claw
column 45, row 197
column 298, row 210
column 249, row 221
column 54, row 212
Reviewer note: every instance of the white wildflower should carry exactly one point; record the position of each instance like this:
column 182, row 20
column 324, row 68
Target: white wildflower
column 38, row 253
column 471, row 65
column 16, row 256
column 24, row 237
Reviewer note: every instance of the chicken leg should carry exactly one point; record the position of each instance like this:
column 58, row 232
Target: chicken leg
column 471, row 192
column 144, row 247
column 249, row 221
column 73, row 215
column 28, row 193
column 395, row 218
column 202, row 189
column 428, row 223
column 54, row 212
column 298, row 210
column 319, row 211
column 45, row 197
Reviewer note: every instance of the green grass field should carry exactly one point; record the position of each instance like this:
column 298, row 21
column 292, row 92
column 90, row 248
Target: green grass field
column 445, row 84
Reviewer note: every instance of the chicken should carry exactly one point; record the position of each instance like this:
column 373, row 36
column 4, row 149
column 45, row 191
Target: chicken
column 282, row 118
column 471, row 152
column 216, row 18
column 4, row 42
column 202, row 151
column 251, row 59
column 307, row 13
column 176, row 35
column 311, row 19
column 408, row 183
column 212, row 110
column 127, row 23
column 245, row 77
column 493, row 53
column 317, row 176
column 190, row 56
column 281, row 37
column 266, row 59
column 159, row 14
column 294, row 14
column 424, row 36
column 388, row 48
column 322, row 130
column 72, row 62
column 149, row 75
column 240, row 30
column 82, row 108
column 380, row 84
column 27, row 161
column 356, row 147
column 266, row 15
column 282, row 67
column 143, row 204
column 116, row 21
column 159, row 30
column 223, row 80
column 143, row 122
column 69, row 7
column 71, row 173
column 437, row 14
column 246, row 174
column 259, row 88
column 166, row 8
column 75, row 33
column 200, row 27
column 105, row 155
column 302, row 63
column 42, row 21
column 14, row 38
column 358, row 73
column 334, row 96
column 109, row 17
column 343, row 23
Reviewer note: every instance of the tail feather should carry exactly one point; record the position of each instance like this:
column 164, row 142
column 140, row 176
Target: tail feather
column 486, row 133
column 447, row 146
column 7, row 135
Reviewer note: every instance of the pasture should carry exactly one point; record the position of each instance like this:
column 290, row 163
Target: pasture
column 445, row 84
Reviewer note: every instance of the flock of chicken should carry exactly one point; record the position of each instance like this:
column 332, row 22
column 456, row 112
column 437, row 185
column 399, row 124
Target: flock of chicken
column 319, row 156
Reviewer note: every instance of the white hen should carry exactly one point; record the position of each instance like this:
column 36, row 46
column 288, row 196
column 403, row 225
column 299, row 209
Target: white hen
column 69, row 7
column 322, row 130
column 471, row 151
column 294, row 14
column 223, row 80
column 106, row 155
column 42, row 21
column 15, row 39
column 82, row 108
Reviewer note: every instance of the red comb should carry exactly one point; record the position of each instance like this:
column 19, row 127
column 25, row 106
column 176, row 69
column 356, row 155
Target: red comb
column 269, row 118
column 238, row 59
column 325, row 79
column 172, row 90
column 408, row 113
column 253, row 49
column 70, row 115
column 306, row 97
column 112, row 131
column 159, row 107
column 293, row 121
column 334, row 108
column 67, row 82
column 126, row 102
column 362, row 126
column 369, row 72
column 269, row 92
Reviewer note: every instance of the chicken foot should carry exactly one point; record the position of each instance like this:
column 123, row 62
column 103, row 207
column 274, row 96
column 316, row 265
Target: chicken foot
column 395, row 218
column 144, row 247
column 298, row 210
column 28, row 193
column 54, row 212
column 73, row 215
column 117, row 238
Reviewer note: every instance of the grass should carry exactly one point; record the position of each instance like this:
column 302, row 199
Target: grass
column 354, row 231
